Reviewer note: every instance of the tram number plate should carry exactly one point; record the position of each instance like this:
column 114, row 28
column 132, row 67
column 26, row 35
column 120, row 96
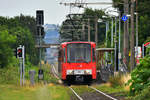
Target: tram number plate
column 78, row 71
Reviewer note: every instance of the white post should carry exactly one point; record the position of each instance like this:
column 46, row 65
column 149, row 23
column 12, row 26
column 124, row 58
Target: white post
column 23, row 57
column 112, row 41
column 20, row 61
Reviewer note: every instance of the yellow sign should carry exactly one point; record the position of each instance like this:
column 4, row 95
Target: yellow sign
column 129, row 53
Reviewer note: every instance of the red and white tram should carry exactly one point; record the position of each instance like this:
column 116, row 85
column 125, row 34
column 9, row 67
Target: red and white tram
column 77, row 61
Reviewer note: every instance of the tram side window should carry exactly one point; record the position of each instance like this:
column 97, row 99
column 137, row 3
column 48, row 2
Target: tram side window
column 59, row 55
column 93, row 55
column 64, row 55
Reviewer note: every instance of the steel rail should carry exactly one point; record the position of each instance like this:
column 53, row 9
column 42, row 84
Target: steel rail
column 75, row 94
column 103, row 93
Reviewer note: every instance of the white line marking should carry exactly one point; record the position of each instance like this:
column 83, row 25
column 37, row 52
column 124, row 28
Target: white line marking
column 76, row 94
column 103, row 93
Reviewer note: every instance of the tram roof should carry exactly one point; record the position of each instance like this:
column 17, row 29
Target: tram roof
column 65, row 43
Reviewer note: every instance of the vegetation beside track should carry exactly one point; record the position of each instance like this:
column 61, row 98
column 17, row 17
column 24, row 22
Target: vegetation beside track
column 119, row 91
column 39, row 92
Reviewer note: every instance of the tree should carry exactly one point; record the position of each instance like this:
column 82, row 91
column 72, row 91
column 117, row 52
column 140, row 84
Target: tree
column 23, row 28
column 6, row 51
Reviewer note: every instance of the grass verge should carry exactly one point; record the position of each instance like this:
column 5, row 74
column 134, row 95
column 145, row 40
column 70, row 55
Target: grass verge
column 39, row 92
column 118, row 92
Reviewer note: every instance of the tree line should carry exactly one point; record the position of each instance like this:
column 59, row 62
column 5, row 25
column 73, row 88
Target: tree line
column 19, row 30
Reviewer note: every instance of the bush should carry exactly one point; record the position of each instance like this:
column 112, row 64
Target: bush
column 119, row 80
column 9, row 75
column 144, row 95
column 6, row 51
column 140, row 77
column 115, row 81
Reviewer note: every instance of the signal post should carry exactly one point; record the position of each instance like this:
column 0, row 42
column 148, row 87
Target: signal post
column 40, row 33
column 20, row 55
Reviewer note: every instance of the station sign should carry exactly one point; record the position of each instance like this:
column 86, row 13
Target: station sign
column 124, row 18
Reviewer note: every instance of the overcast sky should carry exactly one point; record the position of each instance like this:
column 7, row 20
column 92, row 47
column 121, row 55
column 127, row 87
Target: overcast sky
column 54, row 13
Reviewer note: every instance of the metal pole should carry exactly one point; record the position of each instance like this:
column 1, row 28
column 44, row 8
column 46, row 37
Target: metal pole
column 132, row 47
column 119, row 41
column 126, row 35
column 88, row 29
column 96, row 31
column 143, row 50
column 112, row 40
column 23, row 64
column 106, row 39
column 83, row 30
column 40, row 46
column 20, row 60
column 136, row 29
column 115, row 44
column 136, row 35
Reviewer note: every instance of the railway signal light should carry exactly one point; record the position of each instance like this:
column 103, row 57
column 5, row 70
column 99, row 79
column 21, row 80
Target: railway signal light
column 19, row 52
column 40, row 30
column 39, row 17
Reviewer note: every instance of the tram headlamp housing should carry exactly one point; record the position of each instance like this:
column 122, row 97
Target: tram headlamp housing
column 88, row 71
column 69, row 72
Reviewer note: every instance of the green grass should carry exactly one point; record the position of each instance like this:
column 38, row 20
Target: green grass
column 110, row 89
column 80, row 89
column 49, row 92
column 9, row 75
column 118, row 91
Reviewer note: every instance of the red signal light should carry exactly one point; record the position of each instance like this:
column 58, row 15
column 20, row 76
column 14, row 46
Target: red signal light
column 19, row 52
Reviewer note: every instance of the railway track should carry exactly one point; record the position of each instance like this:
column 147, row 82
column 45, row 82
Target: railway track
column 99, row 95
column 54, row 71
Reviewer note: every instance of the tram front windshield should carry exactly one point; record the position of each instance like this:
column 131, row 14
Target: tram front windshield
column 78, row 53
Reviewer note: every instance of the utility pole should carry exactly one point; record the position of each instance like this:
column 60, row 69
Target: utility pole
column 96, row 31
column 136, row 28
column 126, row 34
column 107, row 28
column 119, row 41
column 116, row 50
column 83, row 32
column 132, row 48
column 89, row 29
column 112, row 40
column 40, row 47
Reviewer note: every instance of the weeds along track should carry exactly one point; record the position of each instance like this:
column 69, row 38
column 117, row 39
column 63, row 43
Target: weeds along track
column 95, row 94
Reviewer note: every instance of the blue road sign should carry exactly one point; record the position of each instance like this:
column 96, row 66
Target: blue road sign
column 124, row 18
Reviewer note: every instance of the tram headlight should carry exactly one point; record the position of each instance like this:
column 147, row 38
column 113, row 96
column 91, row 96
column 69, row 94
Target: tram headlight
column 88, row 71
column 69, row 72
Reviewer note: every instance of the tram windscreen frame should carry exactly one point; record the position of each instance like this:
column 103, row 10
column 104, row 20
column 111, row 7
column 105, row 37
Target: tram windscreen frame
column 79, row 53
